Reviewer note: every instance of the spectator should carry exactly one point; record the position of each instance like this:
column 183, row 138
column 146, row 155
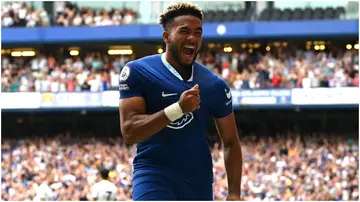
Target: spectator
column 16, row 14
column 288, row 166
column 101, row 72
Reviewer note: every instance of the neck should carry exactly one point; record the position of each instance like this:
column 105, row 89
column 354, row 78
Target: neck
column 185, row 72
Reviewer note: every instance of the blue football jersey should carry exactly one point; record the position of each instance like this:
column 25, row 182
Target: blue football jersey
column 181, row 149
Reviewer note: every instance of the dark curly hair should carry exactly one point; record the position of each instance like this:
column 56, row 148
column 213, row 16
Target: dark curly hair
column 179, row 9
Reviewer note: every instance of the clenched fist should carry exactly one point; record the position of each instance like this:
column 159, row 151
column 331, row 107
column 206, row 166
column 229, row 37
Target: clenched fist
column 190, row 99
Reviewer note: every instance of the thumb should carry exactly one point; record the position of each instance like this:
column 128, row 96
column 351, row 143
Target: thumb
column 196, row 87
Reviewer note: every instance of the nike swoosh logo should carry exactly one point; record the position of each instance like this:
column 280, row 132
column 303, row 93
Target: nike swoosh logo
column 167, row 95
column 228, row 94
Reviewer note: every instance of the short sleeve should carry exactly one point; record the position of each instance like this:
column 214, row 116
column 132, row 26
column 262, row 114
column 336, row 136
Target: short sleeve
column 130, row 83
column 94, row 191
column 221, row 105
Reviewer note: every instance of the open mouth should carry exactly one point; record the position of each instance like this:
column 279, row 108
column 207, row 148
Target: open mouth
column 189, row 50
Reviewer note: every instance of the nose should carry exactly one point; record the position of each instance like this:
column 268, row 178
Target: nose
column 191, row 40
column 191, row 37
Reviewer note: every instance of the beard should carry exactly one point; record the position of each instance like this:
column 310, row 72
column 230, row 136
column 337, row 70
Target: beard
column 175, row 53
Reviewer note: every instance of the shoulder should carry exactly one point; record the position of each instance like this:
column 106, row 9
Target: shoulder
column 148, row 60
column 204, row 69
column 139, row 65
column 220, row 83
column 210, row 75
column 95, row 187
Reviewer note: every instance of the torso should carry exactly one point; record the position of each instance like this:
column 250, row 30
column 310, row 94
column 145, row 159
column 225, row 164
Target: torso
column 183, row 142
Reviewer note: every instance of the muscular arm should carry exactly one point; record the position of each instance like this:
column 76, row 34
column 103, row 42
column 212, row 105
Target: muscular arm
column 137, row 126
column 232, row 155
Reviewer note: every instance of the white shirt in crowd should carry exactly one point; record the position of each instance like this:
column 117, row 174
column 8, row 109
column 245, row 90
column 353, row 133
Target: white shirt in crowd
column 54, row 86
column 306, row 82
column 104, row 191
column 45, row 85
column 7, row 21
column 95, row 85
column 16, row 6
column 43, row 193
column 22, row 13
column 114, row 79
column 77, row 20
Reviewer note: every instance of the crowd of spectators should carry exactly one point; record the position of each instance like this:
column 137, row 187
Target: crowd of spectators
column 17, row 14
column 93, row 73
column 286, row 167
column 70, row 15
column 285, row 69
column 97, row 72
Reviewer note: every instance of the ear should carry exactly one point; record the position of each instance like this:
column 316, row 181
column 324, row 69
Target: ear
column 166, row 36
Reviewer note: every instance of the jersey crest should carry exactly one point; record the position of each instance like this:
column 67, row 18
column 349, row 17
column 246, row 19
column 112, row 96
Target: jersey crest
column 182, row 121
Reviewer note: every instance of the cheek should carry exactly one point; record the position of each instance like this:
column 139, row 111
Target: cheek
column 199, row 45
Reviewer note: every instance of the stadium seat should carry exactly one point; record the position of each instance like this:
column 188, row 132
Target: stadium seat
column 239, row 16
column 318, row 14
column 229, row 16
column 209, row 15
column 248, row 14
column 265, row 15
column 308, row 14
column 329, row 13
column 275, row 15
column 286, row 15
column 219, row 16
column 297, row 14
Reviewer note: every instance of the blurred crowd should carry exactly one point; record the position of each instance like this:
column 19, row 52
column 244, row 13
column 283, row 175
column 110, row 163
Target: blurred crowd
column 316, row 167
column 285, row 69
column 18, row 14
column 63, row 168
column 70, row 15
column 286, row 167
column 94, row 72
column 97, row 72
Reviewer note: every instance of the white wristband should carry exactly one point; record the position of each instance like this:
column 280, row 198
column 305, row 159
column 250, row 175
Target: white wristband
column 173, row 111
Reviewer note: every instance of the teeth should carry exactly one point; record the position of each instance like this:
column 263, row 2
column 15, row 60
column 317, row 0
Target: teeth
column 191, row 47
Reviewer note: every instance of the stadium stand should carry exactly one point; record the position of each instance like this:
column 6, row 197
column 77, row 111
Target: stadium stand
column 98, row 72
column 287, row 155
column 16, row 14
column 275, row 14
column 308, row 170
column 21, row 15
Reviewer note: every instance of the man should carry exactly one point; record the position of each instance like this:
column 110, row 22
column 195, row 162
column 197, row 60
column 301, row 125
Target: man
column 165, row 103
column 104, row 190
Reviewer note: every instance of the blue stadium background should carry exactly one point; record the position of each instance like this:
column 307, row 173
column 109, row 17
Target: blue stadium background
column 292, row 67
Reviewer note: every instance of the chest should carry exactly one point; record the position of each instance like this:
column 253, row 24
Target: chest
column 164, row 90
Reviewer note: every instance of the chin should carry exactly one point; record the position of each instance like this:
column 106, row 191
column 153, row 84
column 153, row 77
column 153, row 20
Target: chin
column 187, row 63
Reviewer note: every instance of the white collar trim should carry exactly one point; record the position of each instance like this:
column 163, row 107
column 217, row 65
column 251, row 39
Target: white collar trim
column 172, row 69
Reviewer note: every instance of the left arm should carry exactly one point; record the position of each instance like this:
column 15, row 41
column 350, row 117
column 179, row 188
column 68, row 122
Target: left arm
column 232, row 154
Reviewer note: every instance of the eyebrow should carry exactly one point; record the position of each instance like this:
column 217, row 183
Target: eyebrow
column 185, row 27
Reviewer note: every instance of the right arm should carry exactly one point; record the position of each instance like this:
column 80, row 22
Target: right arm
column 135, row 124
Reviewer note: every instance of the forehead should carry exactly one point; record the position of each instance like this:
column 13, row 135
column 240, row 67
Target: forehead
column 187, row 21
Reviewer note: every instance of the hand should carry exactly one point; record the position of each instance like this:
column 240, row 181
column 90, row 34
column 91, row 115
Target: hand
column 190, row 99
column 233, row 197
